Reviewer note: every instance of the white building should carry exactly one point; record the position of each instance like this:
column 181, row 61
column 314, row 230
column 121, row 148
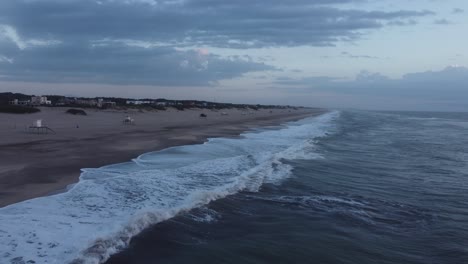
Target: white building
column 40, row 100
column 18, row 102
column 138, row 102
column 105, row 104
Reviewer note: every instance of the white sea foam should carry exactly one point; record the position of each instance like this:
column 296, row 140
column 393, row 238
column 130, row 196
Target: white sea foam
column 108, row 206
column 204, row 215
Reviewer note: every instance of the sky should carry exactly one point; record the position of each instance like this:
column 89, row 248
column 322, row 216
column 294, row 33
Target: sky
column 379, row 54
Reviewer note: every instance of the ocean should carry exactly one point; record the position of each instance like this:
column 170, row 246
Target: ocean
column 344, row 187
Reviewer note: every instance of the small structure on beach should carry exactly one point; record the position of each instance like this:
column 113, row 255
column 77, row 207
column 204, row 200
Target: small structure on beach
column 128, row 121
column 38, row 128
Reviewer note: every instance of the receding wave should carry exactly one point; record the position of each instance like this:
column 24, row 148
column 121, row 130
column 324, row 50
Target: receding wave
column 99, row 215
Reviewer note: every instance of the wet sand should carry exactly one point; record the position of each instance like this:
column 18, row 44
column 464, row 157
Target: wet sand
column 33, row 165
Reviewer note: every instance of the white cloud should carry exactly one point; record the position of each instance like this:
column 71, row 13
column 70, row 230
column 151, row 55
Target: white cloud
column 5, row 59
column 9, row 33
column 130, row 43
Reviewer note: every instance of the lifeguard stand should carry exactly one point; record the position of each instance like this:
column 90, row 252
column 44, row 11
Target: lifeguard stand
column 128, row 121
column 38, row 128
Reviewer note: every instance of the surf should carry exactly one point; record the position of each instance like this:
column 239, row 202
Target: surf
column 99, row 215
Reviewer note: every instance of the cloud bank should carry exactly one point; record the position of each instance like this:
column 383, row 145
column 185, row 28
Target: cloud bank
column 446, row 89
column 157, row 42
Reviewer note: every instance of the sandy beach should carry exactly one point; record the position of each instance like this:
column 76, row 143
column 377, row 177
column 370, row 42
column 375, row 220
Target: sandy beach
column 33, row 165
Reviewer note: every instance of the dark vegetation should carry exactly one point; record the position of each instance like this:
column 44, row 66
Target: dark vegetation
column 16, row 109
column 76, row 112
column 7, row 97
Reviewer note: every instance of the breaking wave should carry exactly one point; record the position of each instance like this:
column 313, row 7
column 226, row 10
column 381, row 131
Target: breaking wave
column 99, row 215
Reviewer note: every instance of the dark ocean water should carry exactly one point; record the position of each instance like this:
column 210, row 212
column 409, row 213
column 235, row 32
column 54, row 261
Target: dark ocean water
column 379, row 188
column 346, row 187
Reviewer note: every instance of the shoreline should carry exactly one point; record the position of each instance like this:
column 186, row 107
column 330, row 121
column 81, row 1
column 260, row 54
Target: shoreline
column 42, row 165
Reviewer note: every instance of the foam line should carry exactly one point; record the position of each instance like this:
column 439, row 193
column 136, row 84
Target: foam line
column 108, row 206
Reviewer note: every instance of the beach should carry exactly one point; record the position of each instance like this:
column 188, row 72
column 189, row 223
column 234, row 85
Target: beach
column 34, row 165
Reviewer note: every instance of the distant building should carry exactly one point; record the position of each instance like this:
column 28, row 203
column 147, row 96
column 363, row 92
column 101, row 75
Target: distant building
column 105, row 104
column 65, row 101
column 86, row 102
column 138, row 102
column 18, row 102
column 40, row 100
column 36, row 100
column 99, row 102
column 109, row 104
column 188, row 103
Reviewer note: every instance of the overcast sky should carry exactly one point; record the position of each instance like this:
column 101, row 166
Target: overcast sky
column 368, row 54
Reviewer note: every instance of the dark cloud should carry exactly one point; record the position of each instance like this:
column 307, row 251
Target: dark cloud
column 221, row 23
column 122, row 41
column 121, row 64
column 442, row 21
column 401, row 23
column 458, row 11
column 445, row 88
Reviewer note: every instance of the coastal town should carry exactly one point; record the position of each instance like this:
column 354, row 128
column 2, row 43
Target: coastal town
column 16, row 101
